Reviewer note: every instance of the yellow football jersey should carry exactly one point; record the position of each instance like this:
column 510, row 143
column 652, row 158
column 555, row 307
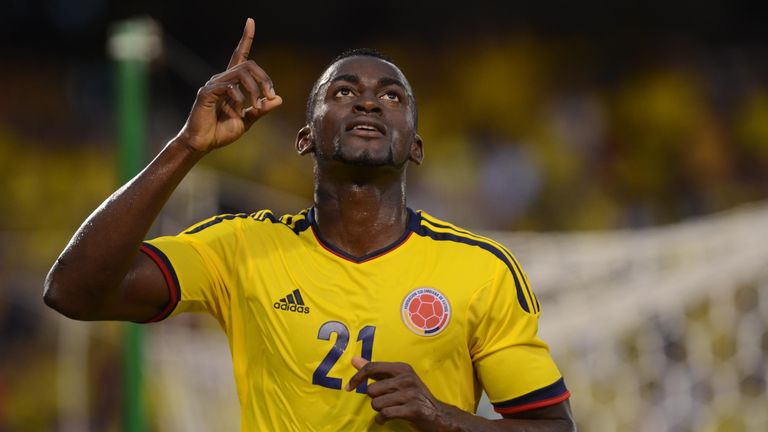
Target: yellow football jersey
column 456, row 306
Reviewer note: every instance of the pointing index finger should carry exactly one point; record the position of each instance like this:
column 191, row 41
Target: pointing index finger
column 244, row 46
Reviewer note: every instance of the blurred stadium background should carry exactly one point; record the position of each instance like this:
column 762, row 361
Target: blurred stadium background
column 619, row 150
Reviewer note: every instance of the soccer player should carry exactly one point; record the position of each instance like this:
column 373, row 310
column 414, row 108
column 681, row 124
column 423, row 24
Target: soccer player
column 356, row 314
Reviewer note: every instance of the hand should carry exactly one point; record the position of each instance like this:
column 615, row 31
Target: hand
column 220, row 114
column 398, row 393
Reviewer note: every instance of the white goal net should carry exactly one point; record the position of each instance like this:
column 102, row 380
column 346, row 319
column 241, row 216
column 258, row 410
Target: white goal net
column 662, row 329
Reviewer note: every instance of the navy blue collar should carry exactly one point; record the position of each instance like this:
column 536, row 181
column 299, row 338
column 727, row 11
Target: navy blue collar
column 412, row 223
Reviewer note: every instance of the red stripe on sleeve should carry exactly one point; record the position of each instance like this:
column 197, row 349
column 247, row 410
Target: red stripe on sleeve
column 172, row 288
column 532, row 405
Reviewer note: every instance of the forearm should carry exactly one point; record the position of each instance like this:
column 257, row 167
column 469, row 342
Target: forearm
column 100, row 253
column 399, row 393
column 452, row 419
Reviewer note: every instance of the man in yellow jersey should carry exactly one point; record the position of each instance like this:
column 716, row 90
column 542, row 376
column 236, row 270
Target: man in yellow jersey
column 356, row 314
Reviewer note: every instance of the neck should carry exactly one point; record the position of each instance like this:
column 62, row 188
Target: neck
column 360, row 209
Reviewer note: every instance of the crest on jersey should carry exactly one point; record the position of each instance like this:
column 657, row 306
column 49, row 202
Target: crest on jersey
column 426, row 311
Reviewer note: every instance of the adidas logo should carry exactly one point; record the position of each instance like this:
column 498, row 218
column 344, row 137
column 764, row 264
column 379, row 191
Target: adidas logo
column 292, row 303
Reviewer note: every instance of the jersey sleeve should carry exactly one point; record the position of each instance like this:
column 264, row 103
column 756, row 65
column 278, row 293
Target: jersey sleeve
column 512, row 363
column 197, row 265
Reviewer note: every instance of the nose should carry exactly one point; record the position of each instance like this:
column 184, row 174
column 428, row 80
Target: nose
column 368, row 104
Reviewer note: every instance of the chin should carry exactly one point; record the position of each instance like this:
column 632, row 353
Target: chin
column 369, row 154
column 365, row 160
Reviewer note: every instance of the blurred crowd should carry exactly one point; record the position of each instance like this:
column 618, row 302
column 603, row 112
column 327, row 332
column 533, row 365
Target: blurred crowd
column 521, row 132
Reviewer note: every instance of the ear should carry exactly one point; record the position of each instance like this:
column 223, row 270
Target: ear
column 305, row 142
column 417, row 150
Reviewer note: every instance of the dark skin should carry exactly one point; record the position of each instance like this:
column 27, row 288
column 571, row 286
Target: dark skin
column 361, row 136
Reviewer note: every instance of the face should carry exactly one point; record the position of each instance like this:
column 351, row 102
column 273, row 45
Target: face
column 363, row 115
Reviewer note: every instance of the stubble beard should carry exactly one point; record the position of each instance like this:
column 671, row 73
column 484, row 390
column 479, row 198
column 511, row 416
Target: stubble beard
column 366, row 159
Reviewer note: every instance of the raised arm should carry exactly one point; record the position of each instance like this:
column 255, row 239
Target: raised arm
column 101, row 275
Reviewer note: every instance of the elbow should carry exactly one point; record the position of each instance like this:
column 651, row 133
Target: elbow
column 57, row 297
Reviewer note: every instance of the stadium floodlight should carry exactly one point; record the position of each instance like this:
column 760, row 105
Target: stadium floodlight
column 138, row 39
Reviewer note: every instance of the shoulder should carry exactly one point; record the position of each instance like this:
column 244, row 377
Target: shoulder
column 262, row 220
column 480, row 249
column 295, row 222
column 441, row 231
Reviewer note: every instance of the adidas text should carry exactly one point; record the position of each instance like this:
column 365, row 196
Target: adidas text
column 291, row 307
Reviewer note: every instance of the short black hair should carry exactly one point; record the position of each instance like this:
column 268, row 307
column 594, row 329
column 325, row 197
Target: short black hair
column 354, row 52
column 365, row 52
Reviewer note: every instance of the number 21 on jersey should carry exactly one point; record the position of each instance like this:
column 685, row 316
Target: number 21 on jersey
column 320, row 377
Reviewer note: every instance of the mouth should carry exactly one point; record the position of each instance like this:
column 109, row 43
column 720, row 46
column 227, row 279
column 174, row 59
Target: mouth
column 366, row 127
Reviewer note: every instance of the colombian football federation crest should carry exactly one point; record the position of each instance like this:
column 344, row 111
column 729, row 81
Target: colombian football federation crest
column 426, row 311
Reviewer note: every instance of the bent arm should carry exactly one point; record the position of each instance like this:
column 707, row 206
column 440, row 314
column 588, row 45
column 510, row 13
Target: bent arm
column 101, row 275
column 399, row 393
column 554, row 418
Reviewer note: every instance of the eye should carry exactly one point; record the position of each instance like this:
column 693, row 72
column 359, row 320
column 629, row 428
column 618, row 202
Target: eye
column 344, row 91
column 390, row 96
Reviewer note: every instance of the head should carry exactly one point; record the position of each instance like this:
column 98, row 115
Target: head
column 361, row 112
